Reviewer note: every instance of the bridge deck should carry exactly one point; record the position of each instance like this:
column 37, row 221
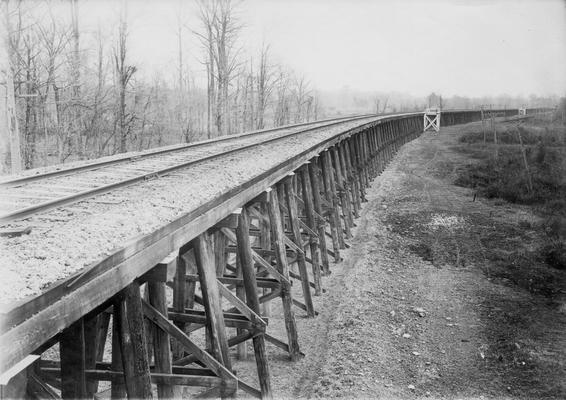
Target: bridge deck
column 74, row 237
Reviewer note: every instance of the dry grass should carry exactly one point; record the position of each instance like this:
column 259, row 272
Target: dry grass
column 506, row 177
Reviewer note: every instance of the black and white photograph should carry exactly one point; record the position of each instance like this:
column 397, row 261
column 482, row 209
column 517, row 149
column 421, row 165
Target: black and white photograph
column 283, row 199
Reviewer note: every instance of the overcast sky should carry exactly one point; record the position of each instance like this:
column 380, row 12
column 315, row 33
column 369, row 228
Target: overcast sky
column 452, row 47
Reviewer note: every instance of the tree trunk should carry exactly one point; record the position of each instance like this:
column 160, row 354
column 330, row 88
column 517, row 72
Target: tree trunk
column 76, row 63
column 10, row 156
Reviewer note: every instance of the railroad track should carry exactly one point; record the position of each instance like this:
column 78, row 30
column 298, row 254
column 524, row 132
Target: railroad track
column 25, row 196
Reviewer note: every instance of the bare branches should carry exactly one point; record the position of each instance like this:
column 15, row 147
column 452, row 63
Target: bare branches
column 79, row 95
column 10, row 157
column 124, row 74
column 221, row 31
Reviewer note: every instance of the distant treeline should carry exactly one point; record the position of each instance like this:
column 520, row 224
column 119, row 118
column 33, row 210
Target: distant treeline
column 72, row 104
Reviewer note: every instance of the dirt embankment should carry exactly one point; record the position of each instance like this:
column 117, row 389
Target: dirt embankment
column 440, row 296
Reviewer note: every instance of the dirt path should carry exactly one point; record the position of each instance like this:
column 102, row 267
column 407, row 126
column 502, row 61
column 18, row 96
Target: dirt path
column 427, row 303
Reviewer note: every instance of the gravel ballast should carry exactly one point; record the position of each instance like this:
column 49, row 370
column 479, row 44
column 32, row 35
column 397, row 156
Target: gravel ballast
column 68, row 239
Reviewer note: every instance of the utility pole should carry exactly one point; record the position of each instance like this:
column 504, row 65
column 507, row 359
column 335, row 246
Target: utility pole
column 10, row 156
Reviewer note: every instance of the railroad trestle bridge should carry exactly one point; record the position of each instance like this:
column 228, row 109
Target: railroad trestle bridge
column 214, row 268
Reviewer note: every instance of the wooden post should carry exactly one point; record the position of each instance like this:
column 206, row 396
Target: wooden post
column 320, row 224
column 380, row 144
column 344, row 196
column 118, row 389
column 92, row 325
column 252, row 300
column 149, row 327
column 180, row 294
column 354, row 157
column 371, row 139
column 72, row 349
column 103, row 323
column 339, row 184
column 372, row 152
column 242, row 348
column 390, row 140
column 395, row 127
column 311, row 222
column 361, row 162
column 278, row 236
column 161, row 341
column 133, row 345
column 219, row 252
column 295, row 228
column 335, row 224
column 215, row 318
column 265, row 243
column 351, row 178
column 494, row 128
column 387, row 143
column 364, row 145
column 527, row 169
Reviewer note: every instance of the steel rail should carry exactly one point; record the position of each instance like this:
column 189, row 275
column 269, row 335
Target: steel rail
column 62, row 201
column 162, row 150
column 14, row 314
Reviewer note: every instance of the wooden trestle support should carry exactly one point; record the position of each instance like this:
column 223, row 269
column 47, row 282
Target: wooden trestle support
column 225, row 279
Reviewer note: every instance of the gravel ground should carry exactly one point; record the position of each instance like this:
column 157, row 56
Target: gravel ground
column 416, row 310
column 66, row 240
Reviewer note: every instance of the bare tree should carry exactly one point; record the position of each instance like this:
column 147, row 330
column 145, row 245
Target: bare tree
column 221, row 33
column 53, row 40
column 98, row 102
column 183, row 112
column 76, row 117
column 124, row 74
column 302, row 98
column 69, row 106
column 28, row 85
column 265, row 84
column 207, row 13
column 10, row 157
column 282, row 108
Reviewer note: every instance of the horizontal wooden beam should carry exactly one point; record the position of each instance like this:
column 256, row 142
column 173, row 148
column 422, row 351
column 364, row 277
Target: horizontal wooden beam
column 261, row 282
column 201, row 319
column 161, row 378
column 52, row 367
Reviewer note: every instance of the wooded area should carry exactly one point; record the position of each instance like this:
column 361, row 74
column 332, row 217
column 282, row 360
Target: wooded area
column 74, row 104
column 74, row 92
